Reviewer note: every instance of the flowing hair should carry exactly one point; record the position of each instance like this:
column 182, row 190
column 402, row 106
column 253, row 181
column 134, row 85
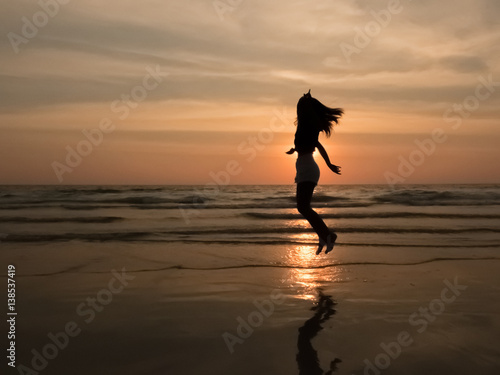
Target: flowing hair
column 311, row 112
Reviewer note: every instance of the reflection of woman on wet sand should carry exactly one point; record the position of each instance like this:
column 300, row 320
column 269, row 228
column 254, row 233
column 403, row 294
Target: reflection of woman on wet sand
column 312, row 118
column 307, row 357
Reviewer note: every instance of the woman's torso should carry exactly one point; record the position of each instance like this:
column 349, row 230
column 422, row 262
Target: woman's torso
column 306, row 139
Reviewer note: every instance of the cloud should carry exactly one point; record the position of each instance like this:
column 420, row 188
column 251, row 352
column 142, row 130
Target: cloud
column 227, row 73
column 464, row 64
column 261, row 49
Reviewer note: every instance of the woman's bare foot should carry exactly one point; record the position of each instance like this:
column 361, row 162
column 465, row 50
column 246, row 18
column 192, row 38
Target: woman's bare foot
column 321, row 244
column 331, row 242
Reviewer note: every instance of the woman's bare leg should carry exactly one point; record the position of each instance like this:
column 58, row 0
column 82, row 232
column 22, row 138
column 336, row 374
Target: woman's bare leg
column 304, row 195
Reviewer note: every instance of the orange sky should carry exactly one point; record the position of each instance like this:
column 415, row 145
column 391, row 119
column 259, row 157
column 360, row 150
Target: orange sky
column 192, row 92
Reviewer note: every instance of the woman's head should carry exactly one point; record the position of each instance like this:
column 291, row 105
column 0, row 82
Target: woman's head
column 311, row 112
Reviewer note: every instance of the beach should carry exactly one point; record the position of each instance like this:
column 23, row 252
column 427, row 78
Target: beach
column 189, row 280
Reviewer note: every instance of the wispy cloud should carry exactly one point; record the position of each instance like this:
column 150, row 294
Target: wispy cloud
column 263, row 54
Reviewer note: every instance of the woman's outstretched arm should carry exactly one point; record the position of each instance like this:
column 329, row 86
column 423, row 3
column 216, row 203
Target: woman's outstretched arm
column 322, row 151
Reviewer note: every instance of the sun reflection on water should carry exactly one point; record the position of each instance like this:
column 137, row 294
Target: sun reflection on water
column 309, row 272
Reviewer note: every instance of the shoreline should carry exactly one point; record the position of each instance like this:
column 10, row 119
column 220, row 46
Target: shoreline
column 371, row 306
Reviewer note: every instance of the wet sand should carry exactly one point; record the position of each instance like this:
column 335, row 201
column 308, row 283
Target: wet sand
column 151, row 317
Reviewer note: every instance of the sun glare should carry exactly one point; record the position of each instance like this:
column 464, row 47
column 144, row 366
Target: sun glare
column 309, row 272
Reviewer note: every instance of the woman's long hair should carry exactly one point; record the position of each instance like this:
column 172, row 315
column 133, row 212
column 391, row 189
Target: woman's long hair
column 311, row 112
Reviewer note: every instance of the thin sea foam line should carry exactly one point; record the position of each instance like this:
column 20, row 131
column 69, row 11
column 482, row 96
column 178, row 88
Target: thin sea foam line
column 73, row 270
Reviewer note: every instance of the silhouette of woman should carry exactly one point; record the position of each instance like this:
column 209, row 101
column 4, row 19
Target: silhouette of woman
column 312, row 118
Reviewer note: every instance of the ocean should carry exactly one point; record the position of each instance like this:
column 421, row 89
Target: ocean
column 201, row 256
column 463, row 219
